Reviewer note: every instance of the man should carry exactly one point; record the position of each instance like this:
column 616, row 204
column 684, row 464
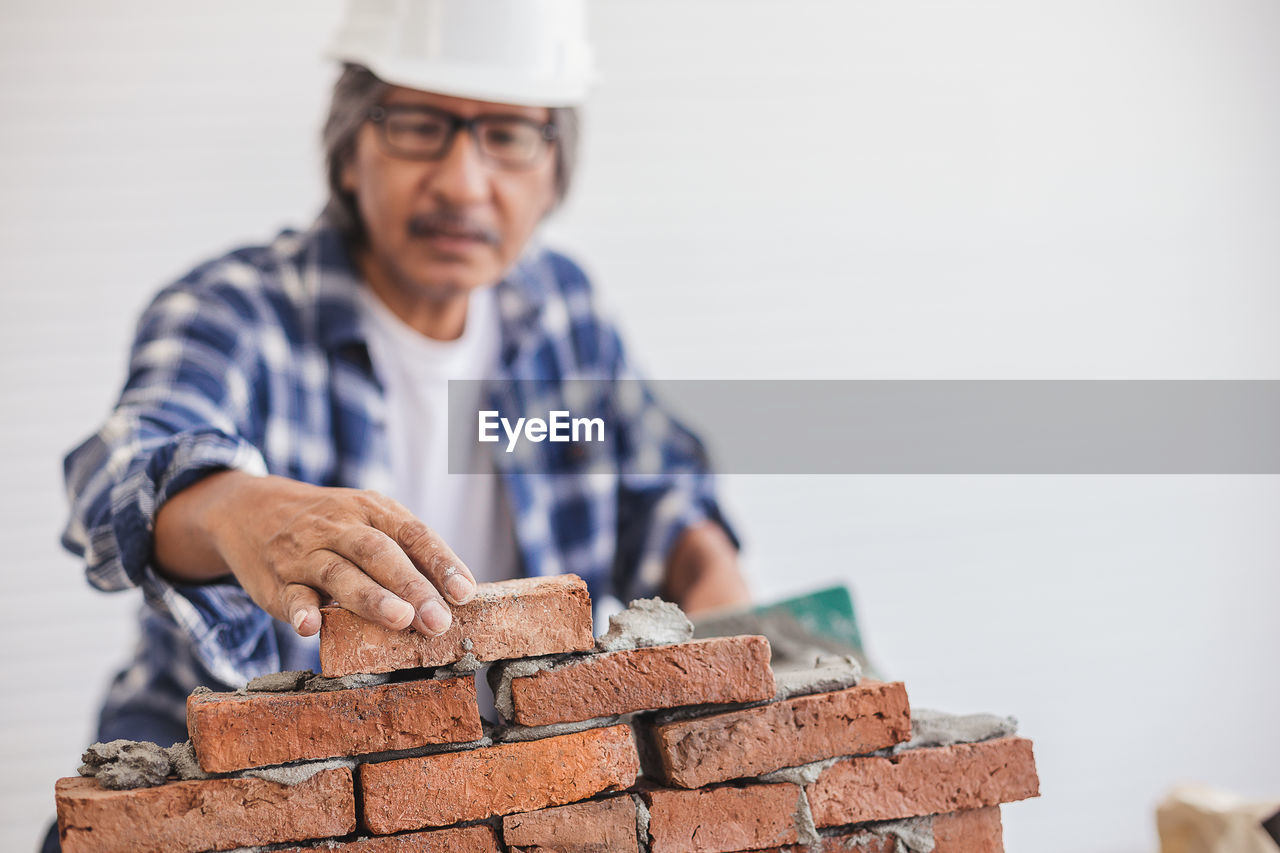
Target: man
column 280, row 439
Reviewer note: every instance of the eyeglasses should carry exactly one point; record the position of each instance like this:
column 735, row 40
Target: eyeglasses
column 426, row 133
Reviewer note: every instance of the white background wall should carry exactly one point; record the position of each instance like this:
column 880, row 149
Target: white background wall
column 769, row 190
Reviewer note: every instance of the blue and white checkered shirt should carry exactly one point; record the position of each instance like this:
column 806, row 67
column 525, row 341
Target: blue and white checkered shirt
column 256, row 361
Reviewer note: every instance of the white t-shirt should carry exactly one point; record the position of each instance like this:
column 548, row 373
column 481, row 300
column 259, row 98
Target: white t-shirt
column 469, row 511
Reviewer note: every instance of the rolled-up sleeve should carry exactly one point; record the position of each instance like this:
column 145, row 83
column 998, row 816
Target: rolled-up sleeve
column 185, row 412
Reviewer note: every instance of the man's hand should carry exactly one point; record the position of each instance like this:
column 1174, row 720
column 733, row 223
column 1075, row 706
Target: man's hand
column 702, row 571
column 294, row 547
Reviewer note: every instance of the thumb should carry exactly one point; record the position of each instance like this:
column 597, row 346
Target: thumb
column 301, row 605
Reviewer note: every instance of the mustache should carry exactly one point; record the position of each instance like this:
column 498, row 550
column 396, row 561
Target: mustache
column 454, row 223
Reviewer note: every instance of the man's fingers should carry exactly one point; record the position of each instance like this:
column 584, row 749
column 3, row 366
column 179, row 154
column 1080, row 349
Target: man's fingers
column 378, row 556
column 431, row 554
column 301, row 605
column 357, row 592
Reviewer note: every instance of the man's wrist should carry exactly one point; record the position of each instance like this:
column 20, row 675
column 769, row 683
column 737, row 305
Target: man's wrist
column 190, row 527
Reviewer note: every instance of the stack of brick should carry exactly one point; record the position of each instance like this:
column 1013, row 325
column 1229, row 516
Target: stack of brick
column 609, row 745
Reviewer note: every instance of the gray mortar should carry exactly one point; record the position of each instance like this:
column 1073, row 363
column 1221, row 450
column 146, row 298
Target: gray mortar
column 500, row 675
column 467, row 644
column 645, row 622
column 514, row 734
column 279, row 682
column 182, row 757
column 688, row 712
column 825, row 674
column 911, row 835
column 642, row 823
column 419, row 751
column 123, row 764
column 802, row 774
column 937, row 728
column 466, row 664
column 806, row 829
column 296, row 774
column 320, row 684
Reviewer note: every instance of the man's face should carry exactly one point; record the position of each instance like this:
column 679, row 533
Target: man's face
column 437, row 228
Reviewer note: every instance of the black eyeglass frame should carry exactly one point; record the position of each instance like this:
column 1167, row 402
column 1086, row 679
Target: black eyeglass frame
column 379, row 113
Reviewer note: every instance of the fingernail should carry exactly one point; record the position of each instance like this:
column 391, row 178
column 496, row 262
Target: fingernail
column 458, row 586
column 298, row 619
column 396, row 610
column 435, row 616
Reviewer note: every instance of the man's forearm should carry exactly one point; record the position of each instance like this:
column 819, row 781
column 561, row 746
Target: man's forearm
column 185, row 533
column 702, row 571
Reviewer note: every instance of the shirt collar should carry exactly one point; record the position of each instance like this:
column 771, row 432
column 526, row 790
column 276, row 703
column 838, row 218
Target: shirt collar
column 332, row 280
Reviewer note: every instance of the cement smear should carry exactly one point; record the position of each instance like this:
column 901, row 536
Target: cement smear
column 468, row 663
column 182, row 758
column 803, row 774
column 645, row 622
column 305, row 680
column 806, row 830
column 296, row 774
column 123, row 764
column 936, row 728
column 912, row 835
column 642, row 823
column 825, row 674
column 500, row 675
column 512, row 734
column 320, row 684
column 279, row 682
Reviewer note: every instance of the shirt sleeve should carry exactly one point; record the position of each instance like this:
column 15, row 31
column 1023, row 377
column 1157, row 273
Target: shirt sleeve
column 665, row 483
column 183, row 414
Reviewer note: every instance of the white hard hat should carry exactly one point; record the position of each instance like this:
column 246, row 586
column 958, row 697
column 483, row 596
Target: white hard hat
column 529, row 52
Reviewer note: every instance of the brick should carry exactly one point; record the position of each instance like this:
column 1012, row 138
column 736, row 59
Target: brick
column 751, row 741
column 726, row 818
column 725, row 669
column 924, row 781
column 973, row 831
column 232, row 731
column 518, row 618
column 451, row 787
column 598, row 826
column 213, row 814
column 458, row 839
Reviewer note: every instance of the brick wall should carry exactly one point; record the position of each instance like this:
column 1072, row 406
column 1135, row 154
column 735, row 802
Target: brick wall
column 685, row 746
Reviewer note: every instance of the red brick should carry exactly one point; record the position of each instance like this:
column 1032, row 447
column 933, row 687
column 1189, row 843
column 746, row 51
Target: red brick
column 232, row 731
column 213, row 814
column 518, row 618
column 726, row 818
column 736, row 744
column 458, row 839
column 451, row 787
column 725, row 669
column 597, row 826
column 974, row 831
column 924, row 781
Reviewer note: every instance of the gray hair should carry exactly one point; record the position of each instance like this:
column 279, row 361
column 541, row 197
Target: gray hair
column 356, row 91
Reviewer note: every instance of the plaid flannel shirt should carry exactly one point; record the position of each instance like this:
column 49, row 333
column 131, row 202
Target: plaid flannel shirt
column 256, row 361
